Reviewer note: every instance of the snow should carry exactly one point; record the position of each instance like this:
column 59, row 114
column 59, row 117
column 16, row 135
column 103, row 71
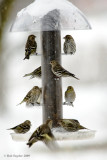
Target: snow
column 30, row 18
column 60, row 134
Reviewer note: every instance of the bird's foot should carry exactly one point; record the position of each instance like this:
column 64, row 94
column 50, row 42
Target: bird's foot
column 38, row 104
column 56, row 78
column 64, row 103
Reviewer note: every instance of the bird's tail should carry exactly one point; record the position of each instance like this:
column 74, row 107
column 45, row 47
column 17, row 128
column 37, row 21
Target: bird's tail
column 9, row 129
column 29, row 144
column 82, row 127
column 20, row 103
column 29, row 74
column 26, row 57
column 73, row 75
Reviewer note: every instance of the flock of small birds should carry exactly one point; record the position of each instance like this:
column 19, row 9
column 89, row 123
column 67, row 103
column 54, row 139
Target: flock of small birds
column 44, row 133
column 34, row 96
column 69, row 46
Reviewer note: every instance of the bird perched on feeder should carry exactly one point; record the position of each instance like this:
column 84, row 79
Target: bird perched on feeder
column 71, row 125
column 22, row 128
column 32, row 96
column 43, row 133
column 59, row 71
column 30, row 47
column 35, row 73
column 69, row 46
column 70, row 96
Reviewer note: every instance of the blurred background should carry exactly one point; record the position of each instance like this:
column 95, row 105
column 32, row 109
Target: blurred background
column 89, row 64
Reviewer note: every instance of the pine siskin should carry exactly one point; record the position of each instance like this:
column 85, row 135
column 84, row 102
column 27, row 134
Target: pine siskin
column 69, row 45
column 43, row 133
column 59, row 71
column 30, row 47
column 32, row 96
column 35, row 73
column 22, row 128
column 71, row 125
column 70, row 95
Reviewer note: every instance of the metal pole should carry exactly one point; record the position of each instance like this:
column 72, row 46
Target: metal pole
column 52, row 89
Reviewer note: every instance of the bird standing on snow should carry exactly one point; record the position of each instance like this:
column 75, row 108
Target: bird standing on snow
column 22, row 128
column 70, row 95
column 59, row 71
column 35, row 73
column 30, row 47
column 32, row 96
column 69, row 46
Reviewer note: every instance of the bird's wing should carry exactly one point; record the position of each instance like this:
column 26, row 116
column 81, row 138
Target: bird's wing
column 35, row 44
column 66, row 73
column 28, row 95
column 65, row 47
column 35, row 134
column 76, row 121
column 24, row 126
column 12, row 128
column 65, row 94
column 57, row 70
column 37, row 72
column 72, row 45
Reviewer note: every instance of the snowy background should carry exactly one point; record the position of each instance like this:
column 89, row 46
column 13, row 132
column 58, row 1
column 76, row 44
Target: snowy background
column 90, row 107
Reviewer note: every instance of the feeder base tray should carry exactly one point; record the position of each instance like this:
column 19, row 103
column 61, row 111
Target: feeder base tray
column 60, row 134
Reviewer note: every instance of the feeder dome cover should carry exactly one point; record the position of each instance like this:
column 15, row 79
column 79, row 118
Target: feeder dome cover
column 58, row 15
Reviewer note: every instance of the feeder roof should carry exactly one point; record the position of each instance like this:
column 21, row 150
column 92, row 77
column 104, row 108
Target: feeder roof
column 59, row 15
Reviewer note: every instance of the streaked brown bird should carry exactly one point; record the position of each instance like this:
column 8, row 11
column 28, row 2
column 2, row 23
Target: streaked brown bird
column 70, row 125
column 30, row 47
column 70, row 96
column 43, row 133
column 32, row 96
column 35, row 73
column 59, row 71
column 69, row 46
column 22, row 128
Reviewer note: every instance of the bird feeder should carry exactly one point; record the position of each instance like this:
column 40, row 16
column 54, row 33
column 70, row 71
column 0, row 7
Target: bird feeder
column 50, row 17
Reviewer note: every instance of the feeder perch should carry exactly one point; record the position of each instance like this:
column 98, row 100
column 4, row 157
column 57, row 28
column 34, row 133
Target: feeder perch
column 50, row 17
